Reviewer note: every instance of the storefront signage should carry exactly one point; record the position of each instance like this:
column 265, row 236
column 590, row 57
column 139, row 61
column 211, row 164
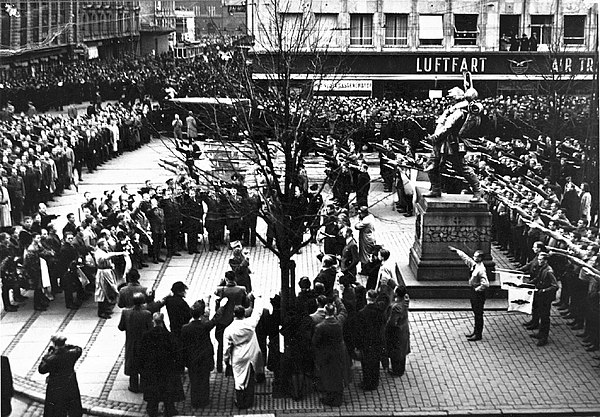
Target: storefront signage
column 567, row 65
column 450, row 64
column 343, row 85
column 517, row 64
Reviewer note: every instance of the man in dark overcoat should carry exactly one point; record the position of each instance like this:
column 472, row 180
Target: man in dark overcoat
column 331, row 361
column 156, row 218
column 234, row 295
column 198, row 352
column 159, row 369
column 172, row 211
column 371, row 320
column 178, row 309
column 67, row 270
column 62, row 392
column 192, row 212
column 134, row 322
column 133, row 287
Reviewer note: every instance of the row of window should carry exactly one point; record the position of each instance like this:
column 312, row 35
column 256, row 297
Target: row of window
column 106, row 24
column 431, row 28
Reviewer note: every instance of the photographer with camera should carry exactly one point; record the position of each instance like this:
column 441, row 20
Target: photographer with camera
column 62, row 392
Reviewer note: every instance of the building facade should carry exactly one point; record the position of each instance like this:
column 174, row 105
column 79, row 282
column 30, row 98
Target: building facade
column 38, row 34
column 408, row 46
column 157, row 26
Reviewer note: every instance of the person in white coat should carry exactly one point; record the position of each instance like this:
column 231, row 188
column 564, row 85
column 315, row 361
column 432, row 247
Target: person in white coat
column 243, row 354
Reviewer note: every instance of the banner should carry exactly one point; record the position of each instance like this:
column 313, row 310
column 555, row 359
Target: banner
column 510, row 280
column 521, row 299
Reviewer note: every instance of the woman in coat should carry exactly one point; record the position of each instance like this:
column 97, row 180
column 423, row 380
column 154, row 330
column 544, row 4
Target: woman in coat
column 62, row 392
column 159, row 369
column 397, row 332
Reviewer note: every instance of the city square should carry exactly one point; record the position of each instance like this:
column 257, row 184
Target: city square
column 272, row 208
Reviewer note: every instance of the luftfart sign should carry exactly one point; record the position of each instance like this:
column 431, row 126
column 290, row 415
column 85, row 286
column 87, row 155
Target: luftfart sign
column 449, row 64
column 514, row 64
column 517, row 64
column 520, row 64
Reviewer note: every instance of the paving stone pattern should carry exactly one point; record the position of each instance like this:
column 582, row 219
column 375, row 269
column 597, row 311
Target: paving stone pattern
column 446, row 374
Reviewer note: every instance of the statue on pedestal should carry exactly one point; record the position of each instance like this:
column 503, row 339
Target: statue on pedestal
column 452, row 128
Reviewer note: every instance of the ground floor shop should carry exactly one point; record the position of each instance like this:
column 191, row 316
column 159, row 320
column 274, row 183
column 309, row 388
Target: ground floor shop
column 431, row 74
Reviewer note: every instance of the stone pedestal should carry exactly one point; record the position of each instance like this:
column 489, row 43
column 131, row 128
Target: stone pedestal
column 450, row 220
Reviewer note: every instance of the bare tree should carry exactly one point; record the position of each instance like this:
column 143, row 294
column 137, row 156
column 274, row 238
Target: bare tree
column 272, row 118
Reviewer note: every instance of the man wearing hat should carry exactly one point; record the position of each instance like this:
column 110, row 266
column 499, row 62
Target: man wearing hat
column 177, row 308
column 62, row 392
column 327, row 274
column 134, row 322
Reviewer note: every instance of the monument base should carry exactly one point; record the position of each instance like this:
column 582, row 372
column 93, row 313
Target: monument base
column 450, row 220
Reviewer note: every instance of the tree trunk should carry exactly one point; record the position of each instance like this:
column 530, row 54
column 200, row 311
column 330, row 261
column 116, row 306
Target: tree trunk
column 288, row 272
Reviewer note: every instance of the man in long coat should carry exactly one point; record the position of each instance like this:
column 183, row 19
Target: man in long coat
column 366, row 235
column 178, row 309
column 371, row 321
column 331, row 363
column 234, row 295
column 134, row 322
column 159, row 369
column 133, row 287
column 198, row 352
column 192, row 213
column 243, row 354
column 62, row 392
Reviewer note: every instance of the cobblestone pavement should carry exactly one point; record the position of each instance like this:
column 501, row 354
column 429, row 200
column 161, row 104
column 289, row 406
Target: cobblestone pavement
column 446, row 375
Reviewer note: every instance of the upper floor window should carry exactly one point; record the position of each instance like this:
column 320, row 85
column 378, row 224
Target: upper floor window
column 574, row 30
column 84, row 25
column 361, row 29
column 396, row 29
column 541, row 25
column 293, row 30
column 326, row 29
column 465, row 29
column 431, row 29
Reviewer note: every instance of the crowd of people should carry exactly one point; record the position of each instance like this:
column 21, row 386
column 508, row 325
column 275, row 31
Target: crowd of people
column 543, row 216
column 514, row 42
column 130, row 77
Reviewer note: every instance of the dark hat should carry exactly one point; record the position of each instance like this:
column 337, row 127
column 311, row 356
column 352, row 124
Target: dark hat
column 178, row 287
column 304, row 283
